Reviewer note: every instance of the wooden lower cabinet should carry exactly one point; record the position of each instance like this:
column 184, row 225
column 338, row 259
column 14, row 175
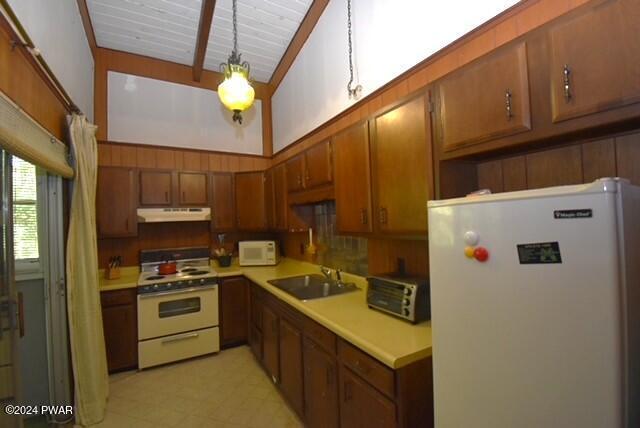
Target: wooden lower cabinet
column 330, row 382
column 361, row 405
column 291, row 365
column 233, row 311
column 270, row 348
column 120, row 323
column 320, row 387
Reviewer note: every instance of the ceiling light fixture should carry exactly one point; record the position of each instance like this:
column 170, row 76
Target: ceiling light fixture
column 355, row 92
column 235, row 91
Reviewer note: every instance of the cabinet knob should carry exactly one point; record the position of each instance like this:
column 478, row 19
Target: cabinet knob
column 507, row 97
column 566, row 81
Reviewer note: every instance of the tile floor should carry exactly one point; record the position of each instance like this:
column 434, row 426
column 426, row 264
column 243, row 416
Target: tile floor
column 224, row 390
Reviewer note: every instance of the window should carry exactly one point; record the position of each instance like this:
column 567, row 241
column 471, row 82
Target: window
column 25, row 217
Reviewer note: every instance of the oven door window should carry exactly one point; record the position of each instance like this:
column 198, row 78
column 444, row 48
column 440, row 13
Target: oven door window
column 174, row 308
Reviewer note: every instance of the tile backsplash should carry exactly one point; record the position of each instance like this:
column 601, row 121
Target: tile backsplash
column 348, row 253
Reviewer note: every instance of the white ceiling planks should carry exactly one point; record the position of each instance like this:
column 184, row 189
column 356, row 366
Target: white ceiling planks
column 167, row 29
column 265, row 29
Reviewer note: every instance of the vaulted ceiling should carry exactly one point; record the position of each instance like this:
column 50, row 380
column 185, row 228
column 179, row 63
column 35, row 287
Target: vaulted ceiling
column 169, row 29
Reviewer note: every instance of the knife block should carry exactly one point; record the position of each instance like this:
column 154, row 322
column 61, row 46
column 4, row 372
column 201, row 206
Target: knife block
column 112, row 273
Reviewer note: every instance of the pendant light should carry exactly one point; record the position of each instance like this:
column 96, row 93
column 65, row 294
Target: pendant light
column 353, row 92
column 235, row 91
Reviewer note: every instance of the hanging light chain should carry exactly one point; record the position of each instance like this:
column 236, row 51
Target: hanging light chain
column 235, row 27
column 355, row 92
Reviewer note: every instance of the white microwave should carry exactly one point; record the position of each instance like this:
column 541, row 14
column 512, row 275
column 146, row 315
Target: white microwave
column 258, row 253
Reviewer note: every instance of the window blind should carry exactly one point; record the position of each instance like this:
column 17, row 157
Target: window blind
column 25, row 214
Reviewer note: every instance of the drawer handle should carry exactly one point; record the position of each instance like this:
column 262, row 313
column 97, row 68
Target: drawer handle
column 299, row 180
column 507, row 97
column 566, row 80
column 382, row 213
column 362, row 368
column 347, row 391
column 363, row 216
column 166, row 196
column 180, row 337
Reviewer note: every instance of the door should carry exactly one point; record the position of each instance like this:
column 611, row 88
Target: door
column 250, row 201
column 291, row 365
column 362, row 405
column 233, row 311
column 222, row 201
column 295, row 173
column 320, row 387
column 353, row 180
column 281, row 208
column 116, row 203
column 500, row 84
column 10, row 316
column 318, row 165
column 402, row 168
column 595, row 60
column 192, row 188
column 270, row 343
column 155, row 188
column 542, row 288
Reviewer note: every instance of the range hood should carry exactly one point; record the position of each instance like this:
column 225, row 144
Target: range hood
column 166, row 215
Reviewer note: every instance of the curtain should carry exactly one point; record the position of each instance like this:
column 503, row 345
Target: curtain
column 88, row 355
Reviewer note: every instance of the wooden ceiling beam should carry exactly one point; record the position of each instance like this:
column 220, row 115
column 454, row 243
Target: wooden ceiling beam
column 204, row 28
column 88, row 27
column 302, row 34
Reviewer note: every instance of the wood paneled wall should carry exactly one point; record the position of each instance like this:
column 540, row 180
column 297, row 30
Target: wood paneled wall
column 23, row 82
column 142, row 156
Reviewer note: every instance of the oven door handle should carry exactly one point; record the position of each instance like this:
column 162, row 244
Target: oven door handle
column 180, row 337
column 182, row 290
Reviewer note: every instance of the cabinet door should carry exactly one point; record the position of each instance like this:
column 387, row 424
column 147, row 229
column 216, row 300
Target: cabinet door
column 222, row 201
column 116, row 203
column 317, row 165
column 402, row 168
column 281, row 208
column 119, row 318
column 250, row 201
column 155, row 188
column 269, row 198
column 233, row 311
column 270, row 349
column 192, row 188
column 352, row 180
column 291, row 365
column 485, row 100
column 255, row 342
column 361, row 405
column 295, row 173
column 595, row 60
column 320, row 387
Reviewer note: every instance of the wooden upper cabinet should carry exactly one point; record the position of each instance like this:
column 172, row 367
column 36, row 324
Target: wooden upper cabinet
column 486, row 100
column 250, row 201
column 318, row 165
column 192, row 188
column 269, row 198
column 595, row 60
column 155, row 188
column 402, row 168
column 116, row 202
column 281, row 208
column 295, row 173
column 352, row 180
column 222, row 201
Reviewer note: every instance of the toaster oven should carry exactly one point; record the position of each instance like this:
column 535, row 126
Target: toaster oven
column 403, row 297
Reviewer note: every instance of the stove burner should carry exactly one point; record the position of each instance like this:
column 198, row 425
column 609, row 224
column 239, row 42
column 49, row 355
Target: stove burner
column 154, row 277
column 188, row 270
column 199, row 272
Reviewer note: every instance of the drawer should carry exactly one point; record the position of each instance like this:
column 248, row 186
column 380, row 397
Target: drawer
column 320, row 335
column 118, row 297
column 371, row 370
column 178, row 347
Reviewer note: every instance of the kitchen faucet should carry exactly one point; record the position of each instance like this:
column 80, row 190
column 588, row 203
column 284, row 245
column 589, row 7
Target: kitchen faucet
column 325, row 271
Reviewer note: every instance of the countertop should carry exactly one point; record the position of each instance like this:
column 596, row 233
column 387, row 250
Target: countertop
column 394, row 342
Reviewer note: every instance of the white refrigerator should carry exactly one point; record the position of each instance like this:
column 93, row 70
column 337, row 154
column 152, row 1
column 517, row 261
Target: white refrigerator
column 535, row 305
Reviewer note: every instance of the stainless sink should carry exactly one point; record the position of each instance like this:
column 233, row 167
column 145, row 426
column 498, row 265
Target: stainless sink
column 307, row 287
